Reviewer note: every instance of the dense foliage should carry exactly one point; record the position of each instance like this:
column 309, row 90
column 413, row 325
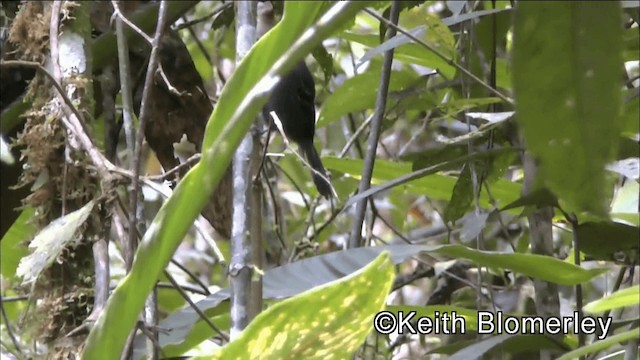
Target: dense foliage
column 505, row 179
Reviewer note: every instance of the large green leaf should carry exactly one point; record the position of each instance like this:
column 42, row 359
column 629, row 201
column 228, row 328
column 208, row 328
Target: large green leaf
column 620, row 298
column 566, row 66
column 239, row 103
column 605, row 238
column 329, row 322
column 537, row 266
column 598, row 346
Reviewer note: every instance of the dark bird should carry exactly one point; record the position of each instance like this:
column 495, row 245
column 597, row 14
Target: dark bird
column 292, row 101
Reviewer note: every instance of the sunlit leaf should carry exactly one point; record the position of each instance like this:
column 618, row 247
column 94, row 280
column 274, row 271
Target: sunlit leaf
column 326, row 322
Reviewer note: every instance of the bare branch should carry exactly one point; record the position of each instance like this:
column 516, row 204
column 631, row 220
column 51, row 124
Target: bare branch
column 374, row 134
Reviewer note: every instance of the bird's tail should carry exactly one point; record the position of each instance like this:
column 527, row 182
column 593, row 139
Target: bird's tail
column 322, row 183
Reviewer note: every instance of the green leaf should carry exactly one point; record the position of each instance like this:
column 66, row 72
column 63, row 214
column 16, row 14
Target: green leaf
column 50, row 242
column 12, row 245
column 325, row 60
column 461, row 197
column 566, row 61
column 356, row 94
column 603, row 239
column 240, row 101
column 620, row 298
column 331, row 321
column 602, row 344
column 425, row 181
column 537, row 266
column 538, row 198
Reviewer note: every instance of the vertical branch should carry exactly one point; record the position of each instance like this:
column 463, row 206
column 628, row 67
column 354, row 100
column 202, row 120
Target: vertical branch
column 127, row 114
column 374, row 135
column 576, row 258
column 150, row 304
column 71, row 46
column 540, row 222
column 101, row 263
column 255, row 305
column 240, row 267
column 125, row 87
column 148, row 84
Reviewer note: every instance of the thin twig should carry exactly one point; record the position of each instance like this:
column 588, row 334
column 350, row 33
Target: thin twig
column 178, row 168
column 374, row 134
column 144, row 109
column 150, row 309
column 213, row 13
column 195, row 307
column 134, row 27
column 193, row 278
column 185, row 287
column 8, row 327
column 443, row 57
column 354, row 137
column 295, row 186
column 201, row 47
column 125, row 89
column 277, row 210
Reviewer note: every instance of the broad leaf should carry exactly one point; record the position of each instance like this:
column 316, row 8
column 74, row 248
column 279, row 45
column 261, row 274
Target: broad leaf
column 603, row 239
column 620, row 298
column 356, row 94
column 331, row 321
column 566, row 81
column 598, row 346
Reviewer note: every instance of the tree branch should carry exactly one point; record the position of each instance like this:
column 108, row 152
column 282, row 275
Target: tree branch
column 374, row 134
